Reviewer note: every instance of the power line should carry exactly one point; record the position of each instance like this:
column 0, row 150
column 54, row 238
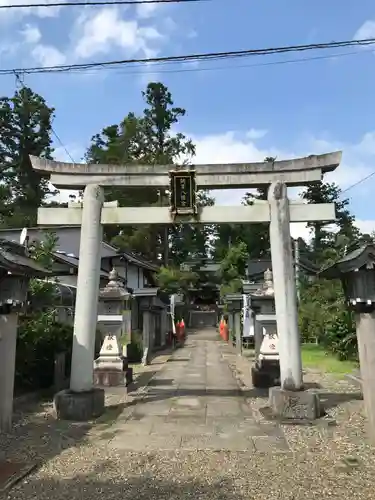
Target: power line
column 355, row 184
column 62, row 145
column 190, row 57
column 86, row 4
column 233, row 67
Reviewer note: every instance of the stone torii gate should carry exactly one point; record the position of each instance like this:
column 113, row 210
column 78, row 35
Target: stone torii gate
column 183, row 181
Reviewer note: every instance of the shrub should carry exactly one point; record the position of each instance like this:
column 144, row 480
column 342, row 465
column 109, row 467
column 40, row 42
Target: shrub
column 39, row 339
column 135, row 348
column 324, row 318
column 340, row 335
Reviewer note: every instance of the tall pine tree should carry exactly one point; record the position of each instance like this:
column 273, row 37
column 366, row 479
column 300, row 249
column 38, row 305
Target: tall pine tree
column 149, row 139
column 25, row 129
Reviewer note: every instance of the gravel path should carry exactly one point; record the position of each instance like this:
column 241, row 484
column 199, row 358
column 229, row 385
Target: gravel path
column 324, row 461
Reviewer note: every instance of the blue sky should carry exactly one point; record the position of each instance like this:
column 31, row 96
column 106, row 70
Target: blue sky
column 238, row 110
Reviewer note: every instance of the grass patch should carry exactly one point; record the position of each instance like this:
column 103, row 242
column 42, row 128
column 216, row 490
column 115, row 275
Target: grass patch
column 314, row 356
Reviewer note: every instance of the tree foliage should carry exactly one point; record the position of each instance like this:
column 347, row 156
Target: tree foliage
column 25, row 129
column 233, row 268
column 172, row 280
column 147, row 139
column 255, row 236
column 323, row 237
column 323, row 313
column 43, row 292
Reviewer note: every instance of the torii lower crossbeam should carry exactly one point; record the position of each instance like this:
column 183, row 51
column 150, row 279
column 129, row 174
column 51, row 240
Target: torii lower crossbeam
column 259, row 212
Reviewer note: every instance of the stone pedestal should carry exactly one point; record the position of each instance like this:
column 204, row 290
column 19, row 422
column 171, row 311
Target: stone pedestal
column 79, row 406
column 147, row 336
column 294, row 405
column 109, row 369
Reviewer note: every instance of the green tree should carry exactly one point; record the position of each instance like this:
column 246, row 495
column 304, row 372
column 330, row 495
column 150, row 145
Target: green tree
column 25, row 129
column 324, row 238
column 173, row 279
column 145, row 140
column 43, row 292
column 193, row 242
column 233, row 268
column 255, row 235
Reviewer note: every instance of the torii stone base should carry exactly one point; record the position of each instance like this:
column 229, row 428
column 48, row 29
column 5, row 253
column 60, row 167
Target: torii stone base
column 294, row 405
column 79, row 406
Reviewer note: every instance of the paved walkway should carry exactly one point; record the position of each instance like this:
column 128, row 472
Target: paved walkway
column 194, row 402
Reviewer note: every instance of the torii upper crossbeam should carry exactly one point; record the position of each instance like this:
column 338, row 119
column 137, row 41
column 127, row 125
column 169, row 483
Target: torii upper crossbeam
column 293, row 172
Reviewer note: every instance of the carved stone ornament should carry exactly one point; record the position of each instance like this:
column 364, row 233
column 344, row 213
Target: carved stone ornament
column 115, row 288
column 267, row 287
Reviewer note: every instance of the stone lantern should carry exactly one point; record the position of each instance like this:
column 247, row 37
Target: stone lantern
column 234, row 303
column 266, row 370
column 114, row 318
column 356, row 271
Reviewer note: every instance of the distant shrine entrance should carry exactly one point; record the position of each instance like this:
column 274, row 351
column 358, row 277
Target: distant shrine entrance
column 183, row 182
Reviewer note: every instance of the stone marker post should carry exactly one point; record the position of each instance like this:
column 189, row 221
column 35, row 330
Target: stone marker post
column 365, row 323
column 238, row 330
column 147, row 336
column 8, row 340
column 13, row 293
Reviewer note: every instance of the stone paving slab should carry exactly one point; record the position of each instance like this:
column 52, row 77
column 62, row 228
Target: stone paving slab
column 194, row 403
column 154, row 442
column 217, row 443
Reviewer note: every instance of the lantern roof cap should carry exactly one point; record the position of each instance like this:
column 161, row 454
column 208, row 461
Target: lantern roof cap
column 363, row 256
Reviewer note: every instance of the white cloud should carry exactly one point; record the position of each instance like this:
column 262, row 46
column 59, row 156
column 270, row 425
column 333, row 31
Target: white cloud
column 47, row 55
column 146, row 10
column 366, row 226
column 31, row 34
column 95, row 32
column 367, row 30
column 231, row 147
column 17, row 13
column 98, row 32
column 254, row 134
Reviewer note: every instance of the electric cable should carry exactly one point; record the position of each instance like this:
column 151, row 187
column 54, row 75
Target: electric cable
column 87, row 4
column 190, row 57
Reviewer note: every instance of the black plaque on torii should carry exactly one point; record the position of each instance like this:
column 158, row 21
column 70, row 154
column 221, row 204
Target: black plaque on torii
column 183, row 192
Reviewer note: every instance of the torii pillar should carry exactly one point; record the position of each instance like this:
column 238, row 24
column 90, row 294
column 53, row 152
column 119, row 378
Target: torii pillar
column 289, row 401
column 82, row 401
